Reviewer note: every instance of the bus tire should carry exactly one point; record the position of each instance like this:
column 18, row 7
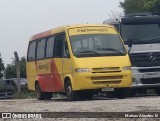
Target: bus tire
column 71, row 95
column 121, row 93
column 48, row 95
column 39, row 94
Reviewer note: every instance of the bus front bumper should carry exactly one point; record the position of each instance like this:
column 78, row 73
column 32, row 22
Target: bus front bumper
column 88, row 80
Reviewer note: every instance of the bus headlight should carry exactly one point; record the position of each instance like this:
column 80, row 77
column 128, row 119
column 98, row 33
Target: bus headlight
column 126, row 68
column 82, row 70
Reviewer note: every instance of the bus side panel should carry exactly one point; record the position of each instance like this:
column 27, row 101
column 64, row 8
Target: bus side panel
column 31, row 75
column 40, row 80
column 57, row 73
column 49, row 77
column 43, row 70
column 48, row 83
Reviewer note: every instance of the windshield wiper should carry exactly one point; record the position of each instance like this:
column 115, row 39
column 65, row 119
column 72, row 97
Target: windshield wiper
column 88, row 51
column 111, row 49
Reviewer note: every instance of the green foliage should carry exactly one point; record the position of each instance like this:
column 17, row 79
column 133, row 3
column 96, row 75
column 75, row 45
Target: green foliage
column 1, row 67
column 134, row 6
column 26, row 94
column 10, row 71
column 23, row 67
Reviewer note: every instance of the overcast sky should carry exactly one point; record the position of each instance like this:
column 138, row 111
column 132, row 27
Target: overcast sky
column 20, row 19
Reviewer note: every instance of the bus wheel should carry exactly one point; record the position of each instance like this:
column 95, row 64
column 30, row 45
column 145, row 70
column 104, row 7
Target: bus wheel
column 39, row 94
column 71, row 95
column 48, row 95
column 121, row 93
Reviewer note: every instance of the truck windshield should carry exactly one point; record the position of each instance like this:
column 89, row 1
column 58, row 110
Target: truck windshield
column 91, row 45
column 141, row 33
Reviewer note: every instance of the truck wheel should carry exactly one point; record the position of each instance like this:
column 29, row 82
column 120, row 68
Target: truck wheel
column 121, row 93
column 39, row 94
column 71, row 95
column 48, row 95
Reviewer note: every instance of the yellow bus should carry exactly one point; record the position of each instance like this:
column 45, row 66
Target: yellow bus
column 78, row 60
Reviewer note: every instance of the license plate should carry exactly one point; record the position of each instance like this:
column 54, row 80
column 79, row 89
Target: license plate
column 107, row 89
column 151, row 75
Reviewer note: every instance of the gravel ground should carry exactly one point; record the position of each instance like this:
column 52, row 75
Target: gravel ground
column 134, row 104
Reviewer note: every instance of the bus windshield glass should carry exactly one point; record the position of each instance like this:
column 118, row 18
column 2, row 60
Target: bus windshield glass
column 91, row 45
column 141, row 33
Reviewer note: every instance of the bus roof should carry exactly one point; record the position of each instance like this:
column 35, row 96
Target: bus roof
column 63, row 28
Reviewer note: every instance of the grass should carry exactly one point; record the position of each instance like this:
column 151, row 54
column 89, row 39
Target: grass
column 25, row 94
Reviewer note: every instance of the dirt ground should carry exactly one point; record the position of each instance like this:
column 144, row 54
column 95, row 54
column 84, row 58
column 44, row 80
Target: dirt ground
column 98, row 104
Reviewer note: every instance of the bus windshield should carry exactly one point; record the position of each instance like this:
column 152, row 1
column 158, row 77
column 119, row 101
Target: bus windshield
column 91, row 45
column 141, row 33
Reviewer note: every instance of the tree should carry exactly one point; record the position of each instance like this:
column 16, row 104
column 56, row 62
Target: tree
column 133, row 6
column 152, row 6
column 10, row 71
column 1, row 67
column 22, row 63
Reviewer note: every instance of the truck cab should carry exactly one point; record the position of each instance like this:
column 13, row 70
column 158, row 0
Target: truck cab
column 141, row 35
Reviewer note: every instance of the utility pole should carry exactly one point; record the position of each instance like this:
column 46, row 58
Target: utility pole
column 18, row 73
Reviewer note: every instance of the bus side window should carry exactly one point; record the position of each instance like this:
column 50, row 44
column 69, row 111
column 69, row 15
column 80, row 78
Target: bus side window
column 31, row 51
column 49, row 48
column 41, row 48
column 58, row 46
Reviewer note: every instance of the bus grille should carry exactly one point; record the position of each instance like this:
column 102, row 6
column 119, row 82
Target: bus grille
column 106, row 70
column 107, row 79
column 143, row 59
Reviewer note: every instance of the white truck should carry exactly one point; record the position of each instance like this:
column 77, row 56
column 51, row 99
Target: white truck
column 141, row 35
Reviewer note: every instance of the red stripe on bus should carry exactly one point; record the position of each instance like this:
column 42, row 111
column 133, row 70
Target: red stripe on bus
column 56, row 77
column 41, row 35
column 51, row 82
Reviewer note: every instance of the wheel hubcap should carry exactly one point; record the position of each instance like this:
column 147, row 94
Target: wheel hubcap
column 69, row 90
